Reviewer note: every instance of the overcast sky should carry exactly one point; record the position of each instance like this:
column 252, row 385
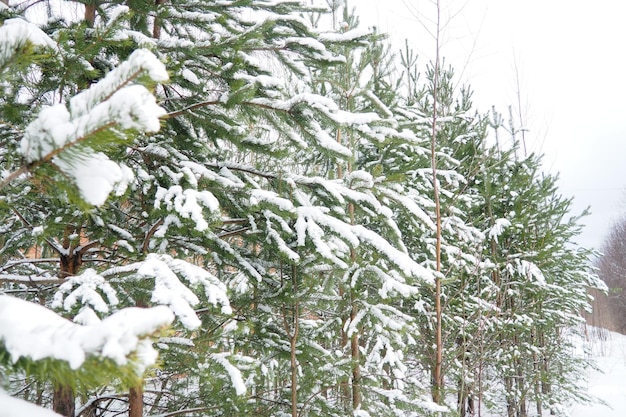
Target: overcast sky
column 570, row 57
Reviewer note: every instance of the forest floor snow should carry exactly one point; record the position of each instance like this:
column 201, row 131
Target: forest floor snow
column 608, row 383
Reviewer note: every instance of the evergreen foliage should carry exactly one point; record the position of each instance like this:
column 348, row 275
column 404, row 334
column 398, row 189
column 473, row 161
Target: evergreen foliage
column 266, row 180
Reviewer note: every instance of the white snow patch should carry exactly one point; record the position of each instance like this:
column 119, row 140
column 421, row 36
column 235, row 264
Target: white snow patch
column 15, row 407
column 96, row 176
column 32, row 331
column 189, row 203
column 233, row 372
column 83, row 289
column 190, row 76
column 106, row 104
column 498, row 228
column 16, row 32
column 349, row 35
column 170, row 291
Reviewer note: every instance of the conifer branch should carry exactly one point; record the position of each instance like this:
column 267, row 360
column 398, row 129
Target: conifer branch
column 24, row 169
column 190, row 108
column 149, row 234
column 33, row 282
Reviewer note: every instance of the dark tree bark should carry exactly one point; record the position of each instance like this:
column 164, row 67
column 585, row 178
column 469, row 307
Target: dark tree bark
column 63, row 401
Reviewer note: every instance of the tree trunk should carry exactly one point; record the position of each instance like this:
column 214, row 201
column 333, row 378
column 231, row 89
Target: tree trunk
column 90, row 13
column 536, row 341
column 356, row 360
column 156, row 28
column 135, row 402
column 511, row 405
column 546, row 388
column 437, row 372
column 344, row 384
column 294, row 376
column 291, row 323
column 63, row 401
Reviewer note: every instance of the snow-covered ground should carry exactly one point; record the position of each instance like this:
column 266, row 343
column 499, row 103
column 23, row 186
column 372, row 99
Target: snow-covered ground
column 609, row 383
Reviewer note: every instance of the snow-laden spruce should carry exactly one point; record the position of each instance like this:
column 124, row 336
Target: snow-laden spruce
column 31, row 331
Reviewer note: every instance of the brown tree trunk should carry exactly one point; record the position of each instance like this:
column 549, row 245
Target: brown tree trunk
column 510, row 400
column 63, row 401
column 90, row 13
column 135, row 402
column 291, row 323
column 356, row 359
column 344, row 384
column 437, row 371
column 156, row 28
column 294, row 375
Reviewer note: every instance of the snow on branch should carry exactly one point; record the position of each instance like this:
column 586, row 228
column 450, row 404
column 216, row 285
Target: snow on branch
column 498, row 228
column 324, row 106
column 170, row 291
column 409, row 204
column 234, row 373
column 527, row 269
column 17, row 33
column 401, row 259
column 29, row 330
column 312, row 222
column 189, row 203
column 84, row 288
column 112, row 103
column 140, row 62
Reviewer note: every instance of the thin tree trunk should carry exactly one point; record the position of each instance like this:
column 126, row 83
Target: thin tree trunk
column 356, row 358
column 510, row 399
column 537, row 371
column 292, row 325
column 438, row 381
column 156, row 28
column 135, row 402
column 344, row 384
column 546, row 387
column 63, row 401
column 522, row 401
column 355, row 393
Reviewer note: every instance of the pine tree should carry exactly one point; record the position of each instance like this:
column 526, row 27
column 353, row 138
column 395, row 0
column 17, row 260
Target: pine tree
column 54, row 149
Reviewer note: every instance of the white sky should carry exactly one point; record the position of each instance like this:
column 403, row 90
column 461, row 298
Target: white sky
column 571, row 61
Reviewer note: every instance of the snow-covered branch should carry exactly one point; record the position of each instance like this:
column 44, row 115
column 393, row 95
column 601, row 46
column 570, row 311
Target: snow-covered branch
column 31, row 331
